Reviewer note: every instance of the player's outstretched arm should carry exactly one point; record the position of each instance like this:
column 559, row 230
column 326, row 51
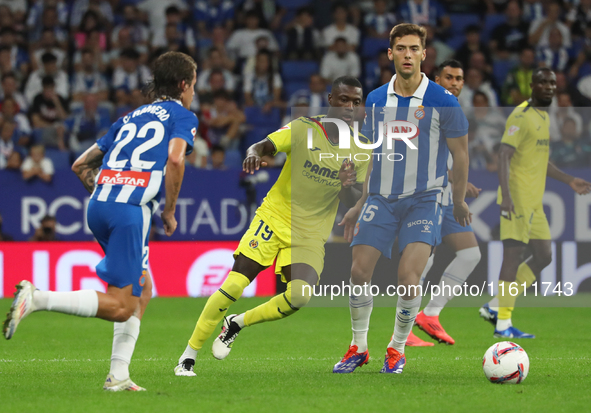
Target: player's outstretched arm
column 253, row 162
column 350, row 191
column 87, row 164
column 580, row 186
column 506, row 152
column 175, row 170
column 459, row 151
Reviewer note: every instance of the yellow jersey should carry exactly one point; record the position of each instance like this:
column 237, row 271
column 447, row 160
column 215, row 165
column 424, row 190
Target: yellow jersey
column 305, row 196
column 528, row 131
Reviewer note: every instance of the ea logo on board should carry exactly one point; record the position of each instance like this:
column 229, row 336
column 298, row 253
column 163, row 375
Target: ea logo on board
column 209, row 271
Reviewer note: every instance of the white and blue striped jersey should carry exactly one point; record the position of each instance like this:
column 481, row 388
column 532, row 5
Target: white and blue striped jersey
column 136, row 152
column 402, row 172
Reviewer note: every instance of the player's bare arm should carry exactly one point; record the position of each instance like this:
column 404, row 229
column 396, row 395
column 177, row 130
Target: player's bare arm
column 352, row 214
column 86, row 166
column 350, row 190
column 471, row 190
column 175, row 170
column 506, row 152
column 253, row 162
column 580, row 186
column 459, row 151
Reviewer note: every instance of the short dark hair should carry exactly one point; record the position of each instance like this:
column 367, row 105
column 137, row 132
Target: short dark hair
column 170, row 69
column 304, row 10
column 407, row 29
column 346, row 80
column 340, row 39
column 48, row 218
column 130, row 53
column 216, row 71
column 251, row 13
column 4, row 48
column 7, row 75
column 472, row 28
column 538, row 71
column 221, row 94
column 48, row 57
column 480, row 93
column 217, row 148
column 454, row 64
column 172, row 10
column 47, row 81
column 6, row 30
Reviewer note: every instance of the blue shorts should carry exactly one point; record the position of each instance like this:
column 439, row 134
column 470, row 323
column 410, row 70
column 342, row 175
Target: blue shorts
column 416, row 219
column 449, row 225
column 122, row 230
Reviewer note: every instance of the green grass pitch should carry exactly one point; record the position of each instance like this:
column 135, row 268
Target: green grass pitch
column 57, row 363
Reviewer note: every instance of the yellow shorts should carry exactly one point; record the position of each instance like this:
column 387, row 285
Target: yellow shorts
column 527, row 223
column 268, row 239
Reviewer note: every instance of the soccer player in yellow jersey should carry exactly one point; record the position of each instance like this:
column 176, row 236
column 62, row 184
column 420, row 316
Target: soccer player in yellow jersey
column 523, row 169
column 294, row 221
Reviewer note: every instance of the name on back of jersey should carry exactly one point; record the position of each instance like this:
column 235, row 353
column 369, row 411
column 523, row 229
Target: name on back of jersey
column 156, row 110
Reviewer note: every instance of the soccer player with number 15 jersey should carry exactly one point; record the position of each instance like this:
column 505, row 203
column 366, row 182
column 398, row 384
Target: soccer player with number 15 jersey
column 139, row 153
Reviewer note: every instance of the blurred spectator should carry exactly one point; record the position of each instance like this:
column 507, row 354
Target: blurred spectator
column 7, row 146
column 539, row 31
column 101, row 9
column 198, row 158
column 562, row 111
column 472, row 45
column 488, row 122
column 298, row 107
column 6, row 64
column 211, row 13
column 91, row 33
column 4, row 236
column 517, row 84
column 174, row 42
column 478, row 61
column 509, row 38
column 88, row 79
column 135, row 99
column 379, row 23
column 219, row 35
column 215, row 62
column 555, row 55
column 10, row 89
column 533, row 10
column 269, row 13
column 17, row 7
column 428, row 67
column 315, row 97
column 261, row 43
column 218, row 156
column 584, row 89
column 138, row 32
column 129, row 76
column 425, row 12
column 156, row 12
column 46, row 232
column 340, row 29
column 372, row 74
column 303, row 39
column 583, row 56
column 37, row 7
column 444, row 52
column 49, row 21
column 474, row 82
column 88, row 124
column 175, row 31
column 216, row 81
column 223, row 120
column 579, row 17
column 48, row 112
column 37, row 165
column 19, row 58
column 50, row 69
column 571, row 151
column 124, row 42
column 340, row 61
column 263, row 87
column 11, row 114
column 493, row 163
column 242, row 42
column 48, row 44
column 385, row 77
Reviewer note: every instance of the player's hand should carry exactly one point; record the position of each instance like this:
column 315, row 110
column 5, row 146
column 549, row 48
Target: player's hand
column 349, row 221
column 347, row 174
column 580, row 186
column 252, row 163
column 169, row 222
column 507, row 207
column 472, row 191
column 462, row 214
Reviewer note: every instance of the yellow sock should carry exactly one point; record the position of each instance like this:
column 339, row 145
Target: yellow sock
column 507, row 301
column 295, row 297
column 216, row 308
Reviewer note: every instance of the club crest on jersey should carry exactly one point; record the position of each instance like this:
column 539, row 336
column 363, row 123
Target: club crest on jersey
column 512, row 130
column 356, row 230
column 133, row 178
column 253, row 243
column 420, row 112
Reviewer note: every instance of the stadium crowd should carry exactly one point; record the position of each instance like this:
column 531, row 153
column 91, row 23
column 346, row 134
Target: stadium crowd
column 70, row 68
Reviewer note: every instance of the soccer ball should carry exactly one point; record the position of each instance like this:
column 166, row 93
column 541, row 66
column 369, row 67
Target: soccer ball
column 505, row 362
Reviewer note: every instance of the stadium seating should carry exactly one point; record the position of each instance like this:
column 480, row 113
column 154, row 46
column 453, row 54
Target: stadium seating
column 500, row 70
column 459, row 22
column 255, row 117
column 293, row 4
column 289, row 88
column 371, row 47
column 60, row 159
column 233, row 159
column 491, row 21
column 299, row 70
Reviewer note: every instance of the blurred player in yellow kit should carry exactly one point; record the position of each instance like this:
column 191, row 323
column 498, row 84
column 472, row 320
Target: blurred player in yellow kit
column 524, row 165
column 294, row 221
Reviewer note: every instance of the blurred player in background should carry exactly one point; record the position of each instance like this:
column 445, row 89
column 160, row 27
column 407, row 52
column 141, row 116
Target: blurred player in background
column 404, row 195
column 292, row 224
column 524, row 165
column 460, row 238
column 132, row 157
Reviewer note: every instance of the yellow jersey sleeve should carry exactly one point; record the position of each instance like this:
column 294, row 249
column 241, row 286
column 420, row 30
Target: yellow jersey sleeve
column 281, row 139
column 516, row 129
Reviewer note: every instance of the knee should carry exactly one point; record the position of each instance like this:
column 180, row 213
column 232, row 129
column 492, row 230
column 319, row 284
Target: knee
column 359, row 274
column 471, row 256
column 122, row 314
column 300, row 293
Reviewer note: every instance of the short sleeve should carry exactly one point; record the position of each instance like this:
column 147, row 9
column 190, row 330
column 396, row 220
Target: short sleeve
column 185, row 126
column 281, row 138
column 106, row 141
column 515, row 130
column 453, row 122
column 47, row 166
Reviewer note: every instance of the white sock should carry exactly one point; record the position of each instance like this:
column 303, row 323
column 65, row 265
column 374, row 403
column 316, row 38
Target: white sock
column 189, row 353
column 406, row 312
column 360, row 306
column 124, row 338
column 456, row 273
column 503, row 324
column 83, row 303
column 239, row 319
column 427, row 268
